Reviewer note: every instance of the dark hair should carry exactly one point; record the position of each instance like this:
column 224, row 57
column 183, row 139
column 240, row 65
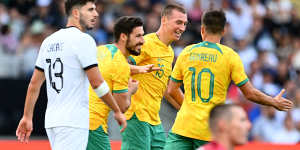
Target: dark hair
column 125, row 25
column 214, row 21
column 69, row 4
column 168, row 9
column 220, row 111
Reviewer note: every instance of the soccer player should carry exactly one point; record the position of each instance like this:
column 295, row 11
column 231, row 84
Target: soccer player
column 67, row 60
column 144, row 131
column 112, row 59
column 229, row 126
column 206, row 70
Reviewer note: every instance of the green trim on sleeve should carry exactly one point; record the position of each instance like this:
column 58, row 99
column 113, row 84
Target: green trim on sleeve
column 243, row 82
column 175, row 80
column 132, row 60
column 120, row 91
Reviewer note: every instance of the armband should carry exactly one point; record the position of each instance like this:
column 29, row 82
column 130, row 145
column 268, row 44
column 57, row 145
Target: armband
column 102, row 89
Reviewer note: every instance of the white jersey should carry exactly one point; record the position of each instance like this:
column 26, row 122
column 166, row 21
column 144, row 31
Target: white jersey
column 63, row 57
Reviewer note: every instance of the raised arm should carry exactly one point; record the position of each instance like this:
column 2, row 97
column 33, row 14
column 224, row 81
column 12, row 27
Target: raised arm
column 259, row 97
column 142, row 69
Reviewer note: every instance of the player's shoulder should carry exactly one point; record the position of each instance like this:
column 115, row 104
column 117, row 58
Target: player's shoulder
column 114, row 52
column 150, row 36
column 52, row 37
column 87, row 38
column 188, row 49
column 78, row 37
column 226, row 49
column 102, row 47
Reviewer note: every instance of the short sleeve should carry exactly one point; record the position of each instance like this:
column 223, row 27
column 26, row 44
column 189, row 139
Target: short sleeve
column 39, row 64
column 177, row 75
column 238, row 74
column 120, row 77
column 87, row 52
column 135, row 60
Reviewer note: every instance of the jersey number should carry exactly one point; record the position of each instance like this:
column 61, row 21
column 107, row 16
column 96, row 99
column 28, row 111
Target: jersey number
column 58, row 69
column 159, row 73
column 200, row 75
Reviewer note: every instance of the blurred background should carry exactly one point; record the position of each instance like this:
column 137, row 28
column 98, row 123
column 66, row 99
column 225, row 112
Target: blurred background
column 265, row 33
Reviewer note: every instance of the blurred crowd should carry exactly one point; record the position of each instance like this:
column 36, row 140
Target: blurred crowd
column 265, row 33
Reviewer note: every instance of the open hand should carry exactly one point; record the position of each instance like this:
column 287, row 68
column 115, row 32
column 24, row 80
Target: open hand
column 121, row 119
column 148, row 68
column 281, row 103
column 24, row 130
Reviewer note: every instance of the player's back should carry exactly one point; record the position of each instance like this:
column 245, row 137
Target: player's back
column 206, row 70
column 64, row 56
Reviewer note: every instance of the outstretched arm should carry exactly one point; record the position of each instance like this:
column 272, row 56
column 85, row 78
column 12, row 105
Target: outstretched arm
column 25, row 125
column 259, row 97
column 142, row 69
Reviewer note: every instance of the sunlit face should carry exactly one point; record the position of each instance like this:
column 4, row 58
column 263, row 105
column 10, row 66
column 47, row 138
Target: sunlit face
column 135, row 41
column 239, row 126
column 176, row 24
column 88, row 16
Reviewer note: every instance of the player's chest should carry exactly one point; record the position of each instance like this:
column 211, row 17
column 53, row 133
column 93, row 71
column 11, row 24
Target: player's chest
column 161, row 58
column 164, row 62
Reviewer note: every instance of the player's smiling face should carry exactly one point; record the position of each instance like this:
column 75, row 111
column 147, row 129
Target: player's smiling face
column 88, row 16
column 176, row 24
column 135, row 41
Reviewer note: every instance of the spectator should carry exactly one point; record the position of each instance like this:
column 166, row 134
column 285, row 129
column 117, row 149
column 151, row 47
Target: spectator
column 266, row 125
column 288, row 134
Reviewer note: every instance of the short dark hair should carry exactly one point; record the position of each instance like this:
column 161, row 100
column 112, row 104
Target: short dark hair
column 168, row 9
column 220, row 111
column 214, row 21
column 125, row 25
column 69, row 4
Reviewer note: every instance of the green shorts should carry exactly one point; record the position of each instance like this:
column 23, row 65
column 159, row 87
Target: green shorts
column 141, row 135
column 98, row 140
column 175, row 141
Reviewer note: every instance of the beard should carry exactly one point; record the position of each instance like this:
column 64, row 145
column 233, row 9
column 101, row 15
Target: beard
column 83, row 23
column 131, row 49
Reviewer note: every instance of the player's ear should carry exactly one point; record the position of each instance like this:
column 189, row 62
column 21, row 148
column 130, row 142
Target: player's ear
column 202, row 31
column 222, row 33
column 222, row 125
column 75, row 13
column 163, row 19
column 123, row 37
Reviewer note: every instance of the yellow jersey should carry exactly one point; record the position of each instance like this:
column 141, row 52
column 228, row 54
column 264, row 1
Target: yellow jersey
column 145, row 103
column 115, row 70
column 206, row 70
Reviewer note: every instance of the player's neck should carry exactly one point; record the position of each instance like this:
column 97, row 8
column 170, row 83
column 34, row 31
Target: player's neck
column 223, row 140
column 162, row 36
column 73, row 23
column 212, row 38
column 122, row 48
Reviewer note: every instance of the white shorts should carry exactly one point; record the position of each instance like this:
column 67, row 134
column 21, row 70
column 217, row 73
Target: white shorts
column 68, row 138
